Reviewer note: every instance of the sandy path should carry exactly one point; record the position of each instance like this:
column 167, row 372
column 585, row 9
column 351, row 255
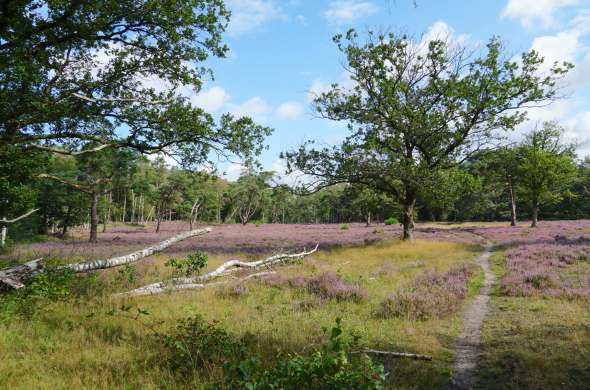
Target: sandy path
column 468, row 346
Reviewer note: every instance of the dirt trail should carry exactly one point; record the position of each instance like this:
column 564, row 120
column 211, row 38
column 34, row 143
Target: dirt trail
column 468, row 346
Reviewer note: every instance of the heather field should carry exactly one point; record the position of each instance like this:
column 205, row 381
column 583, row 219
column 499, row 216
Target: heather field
column 391, row 295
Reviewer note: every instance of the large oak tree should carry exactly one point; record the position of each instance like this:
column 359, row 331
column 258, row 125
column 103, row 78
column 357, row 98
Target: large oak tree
column 109, row 73
column 416, row 108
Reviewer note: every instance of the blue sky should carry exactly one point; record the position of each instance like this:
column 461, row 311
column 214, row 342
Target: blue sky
column 282, row 50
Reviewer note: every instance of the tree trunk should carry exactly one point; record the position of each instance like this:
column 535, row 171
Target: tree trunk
column 3, row 232
column 94, row 218
column 408, row 217
column 64, row 229
column 16, row 277
column 512, row 204
column 368, row 219
column 535, row 218
column 123, row 216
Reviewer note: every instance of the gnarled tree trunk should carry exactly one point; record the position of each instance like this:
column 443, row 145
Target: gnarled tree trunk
column 408, row 216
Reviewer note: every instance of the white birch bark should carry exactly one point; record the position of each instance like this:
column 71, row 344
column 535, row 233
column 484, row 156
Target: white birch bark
column 133, row 257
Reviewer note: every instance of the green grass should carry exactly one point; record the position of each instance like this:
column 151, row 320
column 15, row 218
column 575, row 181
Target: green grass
column 535, row 342
column 76, row 344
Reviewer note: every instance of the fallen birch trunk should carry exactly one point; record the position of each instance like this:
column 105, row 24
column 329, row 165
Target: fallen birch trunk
column 231, row 266
column 161, row 287
column 15, row 277
column 133, row 257
column 225, row 269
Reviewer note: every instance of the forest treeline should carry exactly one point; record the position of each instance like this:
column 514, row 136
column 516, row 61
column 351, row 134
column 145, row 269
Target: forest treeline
column 120, row 185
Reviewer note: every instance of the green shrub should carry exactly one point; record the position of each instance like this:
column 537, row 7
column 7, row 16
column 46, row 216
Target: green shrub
column 329, row 367
column 391, row 221
column 192, row 264
column 344, row 226
column 196, row 345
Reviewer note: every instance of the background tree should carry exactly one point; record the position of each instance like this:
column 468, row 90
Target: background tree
column 546, row 165
column 416, row 108
column 94, row 177
column 499, row 167
column 250, row 193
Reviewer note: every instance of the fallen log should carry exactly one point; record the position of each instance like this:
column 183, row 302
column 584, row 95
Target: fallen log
column 232, row 266
column 135, row 256
column 227, row 268
column 406, row 355
column 16, row 277
column 161, row 287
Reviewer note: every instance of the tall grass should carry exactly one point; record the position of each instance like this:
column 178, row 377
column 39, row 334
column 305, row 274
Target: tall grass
column 78, row 343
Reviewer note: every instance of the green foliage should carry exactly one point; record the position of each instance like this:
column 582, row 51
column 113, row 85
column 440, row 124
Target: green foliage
column 126, row 275
column 546, row 165
column 192, row 264
column 414, row 112
column 344, row 226
column 51, row 284
column 329, row 367
column 391, row 221
column 198, row 345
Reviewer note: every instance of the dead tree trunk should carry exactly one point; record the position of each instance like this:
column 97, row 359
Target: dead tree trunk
column 133, row 257
column 16, row 277
column 227, row 268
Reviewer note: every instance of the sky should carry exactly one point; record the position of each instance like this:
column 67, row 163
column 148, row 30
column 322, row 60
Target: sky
column 281, row 52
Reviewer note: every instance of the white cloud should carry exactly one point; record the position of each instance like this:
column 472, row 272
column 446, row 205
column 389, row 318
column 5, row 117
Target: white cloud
column 564, row 46
column 293, row 179
column 290, row 110
column 535, row 12
column 301, row 20
column 348, row 11
column 211, row 100
column 255, row 107
column 440, row 30
column 317, row 88
column 232, row 171
column 249, row 15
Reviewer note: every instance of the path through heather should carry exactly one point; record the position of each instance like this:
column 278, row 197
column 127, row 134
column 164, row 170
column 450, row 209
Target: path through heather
column 468, row 346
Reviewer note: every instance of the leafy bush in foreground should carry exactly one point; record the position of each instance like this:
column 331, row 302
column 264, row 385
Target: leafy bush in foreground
column 196, row 345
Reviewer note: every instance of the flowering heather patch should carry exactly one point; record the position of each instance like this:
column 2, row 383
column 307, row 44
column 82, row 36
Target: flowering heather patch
column 231, row 238
column 557, row 268
column 326, row 285
column 432, row 294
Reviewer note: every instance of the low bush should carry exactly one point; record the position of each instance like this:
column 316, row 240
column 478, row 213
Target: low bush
column 192, row 264
column 344, row 226
column 391, row 221
column 430, row 295
column 195, row 345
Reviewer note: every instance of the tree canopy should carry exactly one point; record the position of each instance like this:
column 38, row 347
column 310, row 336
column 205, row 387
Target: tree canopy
column 109, row 73
column 416, row 108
